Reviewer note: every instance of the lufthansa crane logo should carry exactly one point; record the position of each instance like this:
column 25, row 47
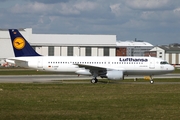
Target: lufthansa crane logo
column 19, row 43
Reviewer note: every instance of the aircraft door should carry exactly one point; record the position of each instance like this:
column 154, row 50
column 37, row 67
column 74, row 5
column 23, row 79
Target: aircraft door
column 151, row 64
column 40, row 63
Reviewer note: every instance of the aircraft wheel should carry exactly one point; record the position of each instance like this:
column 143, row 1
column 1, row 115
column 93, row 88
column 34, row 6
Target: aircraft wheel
column 94, row 80
column 151, row 81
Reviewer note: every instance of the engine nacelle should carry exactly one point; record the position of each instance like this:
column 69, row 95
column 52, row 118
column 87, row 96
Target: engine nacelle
column 115, row 75
column 83, row 72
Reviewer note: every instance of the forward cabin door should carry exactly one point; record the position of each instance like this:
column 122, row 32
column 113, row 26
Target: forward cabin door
column 151, row 63
column 40, row 63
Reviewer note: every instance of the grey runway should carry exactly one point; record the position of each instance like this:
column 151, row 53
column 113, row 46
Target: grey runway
column 38, row 78
column 58, row 78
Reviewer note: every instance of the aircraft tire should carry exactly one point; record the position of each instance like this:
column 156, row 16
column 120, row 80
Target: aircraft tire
column 94, row 80
column 151, row 81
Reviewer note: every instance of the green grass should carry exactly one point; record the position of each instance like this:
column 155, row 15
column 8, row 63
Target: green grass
column 90, row 101
column 177, row 70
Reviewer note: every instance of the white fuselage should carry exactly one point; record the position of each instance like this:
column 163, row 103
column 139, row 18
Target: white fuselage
column 70, row 64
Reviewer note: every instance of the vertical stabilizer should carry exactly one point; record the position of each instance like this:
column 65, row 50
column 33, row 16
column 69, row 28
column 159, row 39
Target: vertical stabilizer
column 20, row 45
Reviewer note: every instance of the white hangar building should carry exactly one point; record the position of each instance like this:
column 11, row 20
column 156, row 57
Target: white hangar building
column 61, row 44
column 170, row 53
column 132, row 48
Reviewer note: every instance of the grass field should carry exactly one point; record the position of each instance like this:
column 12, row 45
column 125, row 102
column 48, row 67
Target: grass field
column 177, row 70
column 89, row 101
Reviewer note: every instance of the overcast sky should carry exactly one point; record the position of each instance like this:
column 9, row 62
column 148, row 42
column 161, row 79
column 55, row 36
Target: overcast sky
column 154, row 21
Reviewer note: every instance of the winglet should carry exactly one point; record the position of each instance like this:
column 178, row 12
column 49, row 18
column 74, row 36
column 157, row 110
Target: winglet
column 20, row 45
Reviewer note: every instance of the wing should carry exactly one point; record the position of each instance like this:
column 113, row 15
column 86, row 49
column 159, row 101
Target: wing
column 98, row 70
column 97, row 67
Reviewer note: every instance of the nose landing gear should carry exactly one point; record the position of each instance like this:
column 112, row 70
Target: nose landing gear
column 151, row 80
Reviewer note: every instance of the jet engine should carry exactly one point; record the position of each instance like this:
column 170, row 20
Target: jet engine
column 83, row 72
column 115, row 75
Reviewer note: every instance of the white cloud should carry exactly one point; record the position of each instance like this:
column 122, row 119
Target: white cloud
column 85, row 6
column 115, row 8
column 125, row 18
column 135, row 25
column 31, row 8
column 53, row 18
column 76, row 8
column 67, row 9
column 177, row 10
column 148, row 4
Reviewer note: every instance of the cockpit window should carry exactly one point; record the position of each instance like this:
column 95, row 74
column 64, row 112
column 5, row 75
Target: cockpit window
column 163, row 62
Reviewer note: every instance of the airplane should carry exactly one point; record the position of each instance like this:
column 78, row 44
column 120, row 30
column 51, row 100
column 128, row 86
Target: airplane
column 112, row 68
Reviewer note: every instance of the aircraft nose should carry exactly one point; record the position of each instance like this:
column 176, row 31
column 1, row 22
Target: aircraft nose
column 172, row 68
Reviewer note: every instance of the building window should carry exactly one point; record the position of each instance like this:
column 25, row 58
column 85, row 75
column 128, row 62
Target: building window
column 88, row 51
column 50, row 50
column 106, row 51
column 70, row 50
column 160, row 53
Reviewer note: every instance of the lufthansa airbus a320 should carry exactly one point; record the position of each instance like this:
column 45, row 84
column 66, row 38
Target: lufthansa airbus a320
column 113, row 68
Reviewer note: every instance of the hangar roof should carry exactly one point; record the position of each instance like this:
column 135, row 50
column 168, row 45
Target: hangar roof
column 63, row 39
column 73, row 40
column 132, row 43
column 170, row 48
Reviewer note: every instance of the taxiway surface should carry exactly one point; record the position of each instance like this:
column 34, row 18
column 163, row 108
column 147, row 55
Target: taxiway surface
column 57, row 78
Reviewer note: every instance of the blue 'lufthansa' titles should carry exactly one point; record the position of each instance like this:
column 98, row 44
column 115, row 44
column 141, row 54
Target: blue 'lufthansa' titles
column 133, row 60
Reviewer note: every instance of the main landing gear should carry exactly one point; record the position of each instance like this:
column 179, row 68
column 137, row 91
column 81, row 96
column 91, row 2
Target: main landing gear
column 151, row 80
column 94, row 80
